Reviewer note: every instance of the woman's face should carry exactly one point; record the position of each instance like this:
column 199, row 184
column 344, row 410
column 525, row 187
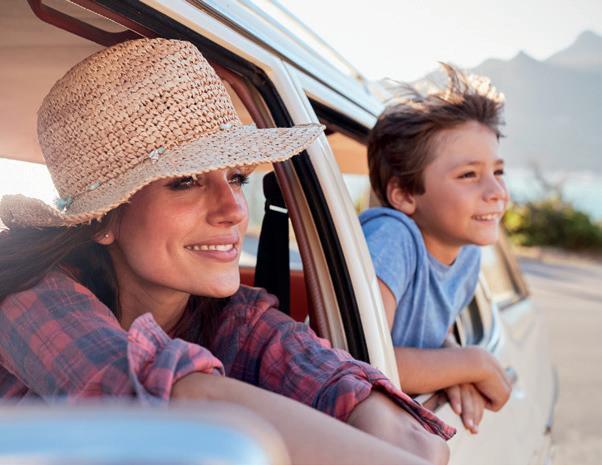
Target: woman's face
column 183, row 235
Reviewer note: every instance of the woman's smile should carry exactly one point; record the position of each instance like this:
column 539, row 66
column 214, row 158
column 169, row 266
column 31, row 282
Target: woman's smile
column 225, row 249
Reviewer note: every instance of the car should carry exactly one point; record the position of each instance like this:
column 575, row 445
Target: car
column 118, row 432
column 305, row 244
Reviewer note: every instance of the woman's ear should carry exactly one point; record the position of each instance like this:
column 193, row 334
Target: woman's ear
column 104, row 238
column 399, row 198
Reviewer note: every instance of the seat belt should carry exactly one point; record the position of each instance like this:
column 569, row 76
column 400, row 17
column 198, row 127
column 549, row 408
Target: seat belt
column 272, row 271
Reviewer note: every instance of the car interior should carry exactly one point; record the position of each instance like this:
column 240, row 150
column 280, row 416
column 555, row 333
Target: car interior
column 64, row 33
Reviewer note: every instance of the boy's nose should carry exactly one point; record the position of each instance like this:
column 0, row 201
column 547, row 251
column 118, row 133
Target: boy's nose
column 496, row 190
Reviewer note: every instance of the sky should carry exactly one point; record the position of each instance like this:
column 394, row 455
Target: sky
column 404, row 39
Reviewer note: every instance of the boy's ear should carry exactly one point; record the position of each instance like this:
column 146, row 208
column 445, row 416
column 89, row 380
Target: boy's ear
column 399, row 198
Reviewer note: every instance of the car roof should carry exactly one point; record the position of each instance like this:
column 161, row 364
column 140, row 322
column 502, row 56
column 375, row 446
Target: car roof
column 272, row 27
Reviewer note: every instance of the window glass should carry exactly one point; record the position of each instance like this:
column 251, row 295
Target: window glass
column 256, row 203
column 352, row 160
column 474, row 323
column 498, row 277
column 469, row 326
column 26, row 178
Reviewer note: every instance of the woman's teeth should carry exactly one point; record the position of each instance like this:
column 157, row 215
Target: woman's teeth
column 219, row 248
column 488, row 217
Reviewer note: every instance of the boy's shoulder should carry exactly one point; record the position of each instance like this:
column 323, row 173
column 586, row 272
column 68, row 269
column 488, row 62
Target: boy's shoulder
column 389, row 217
column 389, row 231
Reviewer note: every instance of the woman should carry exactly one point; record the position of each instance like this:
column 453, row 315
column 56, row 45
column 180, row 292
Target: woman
column 131, row 287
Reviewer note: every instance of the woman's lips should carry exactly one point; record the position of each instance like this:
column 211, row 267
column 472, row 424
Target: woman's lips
column 219, row 252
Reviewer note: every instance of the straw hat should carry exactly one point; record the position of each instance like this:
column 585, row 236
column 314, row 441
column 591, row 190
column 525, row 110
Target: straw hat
column 131, row 114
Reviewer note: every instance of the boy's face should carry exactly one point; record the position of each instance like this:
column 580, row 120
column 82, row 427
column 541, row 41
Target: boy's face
column 465, row 194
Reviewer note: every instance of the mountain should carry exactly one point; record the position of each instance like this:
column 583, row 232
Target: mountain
column 553, row 107
column 585, row 54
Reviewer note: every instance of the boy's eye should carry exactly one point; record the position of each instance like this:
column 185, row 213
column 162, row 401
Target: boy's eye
column 239, row 179
column 468, row 174
column 185, row 182
column 499, row 172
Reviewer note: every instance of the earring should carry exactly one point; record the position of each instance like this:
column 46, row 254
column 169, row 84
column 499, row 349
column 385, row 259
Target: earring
column 106, row 236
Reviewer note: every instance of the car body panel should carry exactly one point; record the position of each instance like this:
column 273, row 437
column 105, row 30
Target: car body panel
column 117, row 432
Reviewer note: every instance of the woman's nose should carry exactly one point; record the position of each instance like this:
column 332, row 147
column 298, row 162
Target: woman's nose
column 227, row 205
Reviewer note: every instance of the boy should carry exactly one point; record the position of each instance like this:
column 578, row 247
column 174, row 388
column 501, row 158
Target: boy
column 435, row 168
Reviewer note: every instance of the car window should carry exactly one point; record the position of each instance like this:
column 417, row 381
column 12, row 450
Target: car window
column 256, row 204
column 26, row 178
column 501, row 283
column 475, row 323
column 352, row 160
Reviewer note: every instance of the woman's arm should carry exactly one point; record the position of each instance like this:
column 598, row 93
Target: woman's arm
column 58, row 339
column 379, row 416
column 311, row 437
column 283, row 356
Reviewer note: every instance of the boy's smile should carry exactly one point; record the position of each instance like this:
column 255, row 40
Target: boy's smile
column 465, row 194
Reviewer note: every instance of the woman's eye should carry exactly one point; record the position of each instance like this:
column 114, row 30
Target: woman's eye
column 468, row 174
column 239, row 179
column 182, row 183
column 499, row 172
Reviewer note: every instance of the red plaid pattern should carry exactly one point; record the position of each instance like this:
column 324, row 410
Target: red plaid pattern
column 58, row 339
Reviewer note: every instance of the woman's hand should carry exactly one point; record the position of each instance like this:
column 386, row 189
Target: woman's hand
column 468, row 403
column 379, row 416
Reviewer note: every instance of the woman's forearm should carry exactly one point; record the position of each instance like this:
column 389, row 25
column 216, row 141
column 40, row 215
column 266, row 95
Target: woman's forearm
column 311, row 436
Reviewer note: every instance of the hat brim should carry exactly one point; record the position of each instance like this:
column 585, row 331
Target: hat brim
column 227, row 148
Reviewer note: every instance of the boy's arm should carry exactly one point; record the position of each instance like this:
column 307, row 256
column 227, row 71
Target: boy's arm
column 428, row 370
column 424, row 370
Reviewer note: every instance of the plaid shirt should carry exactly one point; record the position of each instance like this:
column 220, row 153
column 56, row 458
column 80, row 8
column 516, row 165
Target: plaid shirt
column 58, row 339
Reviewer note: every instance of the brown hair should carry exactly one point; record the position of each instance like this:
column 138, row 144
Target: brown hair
column 401, row 143
column 28, row 254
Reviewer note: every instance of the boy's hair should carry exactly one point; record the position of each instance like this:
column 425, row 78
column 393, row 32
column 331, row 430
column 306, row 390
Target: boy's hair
column 401, row 143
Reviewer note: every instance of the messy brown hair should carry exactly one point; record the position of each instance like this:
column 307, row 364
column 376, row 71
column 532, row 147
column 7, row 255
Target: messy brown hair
column 402, row 141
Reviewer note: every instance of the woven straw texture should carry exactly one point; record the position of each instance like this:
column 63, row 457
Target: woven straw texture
column 131, row 114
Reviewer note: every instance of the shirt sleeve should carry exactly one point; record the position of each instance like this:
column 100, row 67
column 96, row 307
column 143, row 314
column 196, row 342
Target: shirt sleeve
column 58, row 339
column 276, row 353
column 393, row 251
